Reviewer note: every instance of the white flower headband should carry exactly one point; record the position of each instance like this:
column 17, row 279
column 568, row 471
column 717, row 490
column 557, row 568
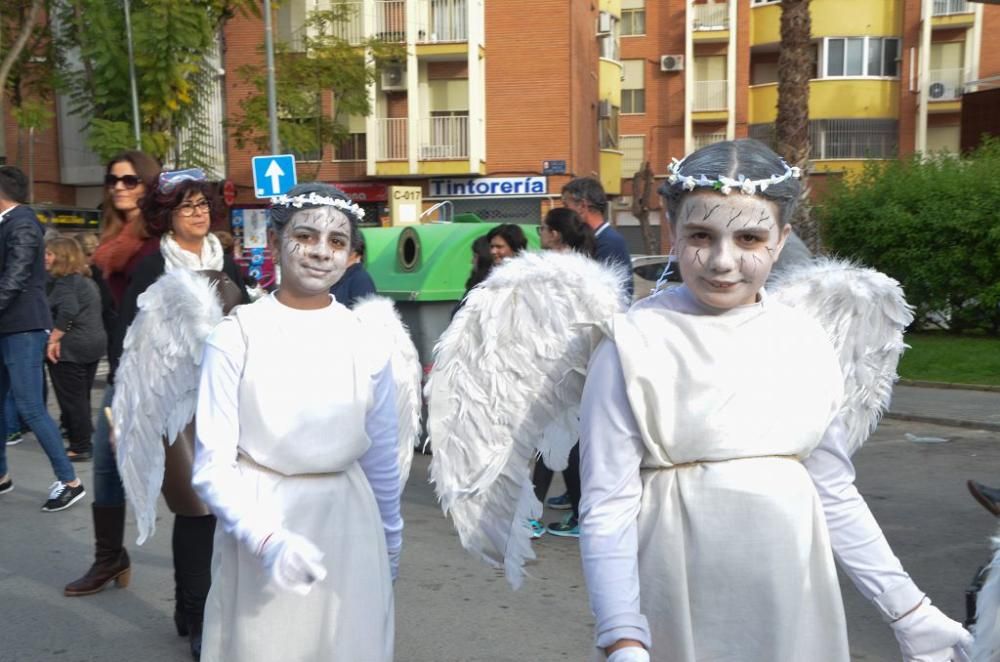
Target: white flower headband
column 298, row 201
column 725, row 185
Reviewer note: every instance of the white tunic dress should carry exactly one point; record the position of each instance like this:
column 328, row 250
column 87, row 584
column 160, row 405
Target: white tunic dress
column 290, row 405
column 713, row 512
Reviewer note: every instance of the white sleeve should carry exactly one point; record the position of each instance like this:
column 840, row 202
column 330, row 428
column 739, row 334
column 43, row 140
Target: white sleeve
column 611, row 451
column 858, row 543
column 381, row 462
column 216, row 476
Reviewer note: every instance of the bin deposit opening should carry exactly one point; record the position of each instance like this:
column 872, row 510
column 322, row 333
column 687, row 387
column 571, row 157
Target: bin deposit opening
column 408, row 249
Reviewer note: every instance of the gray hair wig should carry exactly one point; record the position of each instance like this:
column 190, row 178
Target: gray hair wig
column 732, row 158
column 280, row 214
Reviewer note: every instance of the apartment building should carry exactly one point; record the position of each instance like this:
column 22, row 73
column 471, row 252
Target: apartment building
column 889, row 77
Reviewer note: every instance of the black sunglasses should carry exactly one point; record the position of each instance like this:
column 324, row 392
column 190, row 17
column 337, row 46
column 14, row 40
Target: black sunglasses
column 129, row 181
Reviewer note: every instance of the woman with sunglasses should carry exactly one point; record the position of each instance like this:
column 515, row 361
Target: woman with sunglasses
column 179, row 214
column 124, row 242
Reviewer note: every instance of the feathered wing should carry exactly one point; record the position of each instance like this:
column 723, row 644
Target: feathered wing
column 864, row 312
column 156, row 385
column 987, row 627
column 507, row 371
column 380, row 319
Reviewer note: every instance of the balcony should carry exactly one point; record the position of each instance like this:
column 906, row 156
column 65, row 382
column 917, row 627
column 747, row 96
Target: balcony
column 710, row 17
column 390, row 20
column 444, row 138
column 705, row 139
column 945, row 85
column 351, row 29
column 709, row 95
column 393, row 143
column 446, row 21
column 951, row 7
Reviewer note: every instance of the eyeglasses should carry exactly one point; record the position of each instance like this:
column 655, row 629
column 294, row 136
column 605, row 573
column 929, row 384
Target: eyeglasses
column 542, row 228
column 171, row 179
column 128, row 181
column 188, row 209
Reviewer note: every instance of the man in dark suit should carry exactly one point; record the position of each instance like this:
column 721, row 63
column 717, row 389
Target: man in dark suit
column 355, row 284
column 586, row 197
column 25, row 320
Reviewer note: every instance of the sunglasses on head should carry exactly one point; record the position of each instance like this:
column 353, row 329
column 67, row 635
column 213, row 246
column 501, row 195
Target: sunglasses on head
column 171, row 179
column 128, row 181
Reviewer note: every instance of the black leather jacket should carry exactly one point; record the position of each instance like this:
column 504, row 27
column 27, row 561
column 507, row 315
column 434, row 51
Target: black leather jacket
column 23, row 305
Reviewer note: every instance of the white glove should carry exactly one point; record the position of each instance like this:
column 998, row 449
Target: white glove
column 295, row 564
column 629, row 654
column 927, row 635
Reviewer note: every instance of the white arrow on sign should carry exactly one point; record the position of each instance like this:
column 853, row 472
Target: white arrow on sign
column 275, row 173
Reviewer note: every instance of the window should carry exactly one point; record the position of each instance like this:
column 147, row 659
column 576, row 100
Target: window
column 353, row 147
column 861, row 56
column 634, row 150
column 764, row 2
column 843, row 139
column 633, row 87
column 607, row 128
column 633, row 17
column 301, row 129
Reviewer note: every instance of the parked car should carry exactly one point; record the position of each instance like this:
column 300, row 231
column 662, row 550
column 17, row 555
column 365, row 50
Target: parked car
column 647, row 270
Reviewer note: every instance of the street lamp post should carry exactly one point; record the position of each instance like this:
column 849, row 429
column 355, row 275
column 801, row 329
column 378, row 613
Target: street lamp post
column 272, row 103
column 131, row 76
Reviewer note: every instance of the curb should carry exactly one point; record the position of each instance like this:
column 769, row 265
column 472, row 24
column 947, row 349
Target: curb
column 947, row 422
column 919, row 383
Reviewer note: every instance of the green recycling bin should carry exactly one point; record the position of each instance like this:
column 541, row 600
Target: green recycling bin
column 423, row 268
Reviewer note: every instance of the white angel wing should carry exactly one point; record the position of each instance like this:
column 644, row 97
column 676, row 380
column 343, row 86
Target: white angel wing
column 865, row 313
column 380, row 318
column 156, row 385
column 987, row 627
column 511, row 363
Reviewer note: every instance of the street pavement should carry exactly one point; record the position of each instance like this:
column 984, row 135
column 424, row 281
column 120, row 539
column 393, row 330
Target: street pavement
column 964, row 408
column 449, row 606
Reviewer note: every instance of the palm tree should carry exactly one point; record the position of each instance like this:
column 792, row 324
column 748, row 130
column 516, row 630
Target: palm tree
column 795, row 68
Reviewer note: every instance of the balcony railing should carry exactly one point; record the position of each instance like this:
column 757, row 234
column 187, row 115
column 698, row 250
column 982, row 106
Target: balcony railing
column 945, row 84
column 390, row 20
column 393, row 144
column 709, row 95
column 444, row 138
column 446, row 21
column 351, row 29
column 710, row 17
column 705, row 139
column 949, row 7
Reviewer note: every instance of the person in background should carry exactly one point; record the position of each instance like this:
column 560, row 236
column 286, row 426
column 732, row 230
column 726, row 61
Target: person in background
column 109, row 316
column 24, row 322
column 586, row 197
column 78, row 340
column 356, row 283
column 506, row 241
column 482, row 264
column 226, row 239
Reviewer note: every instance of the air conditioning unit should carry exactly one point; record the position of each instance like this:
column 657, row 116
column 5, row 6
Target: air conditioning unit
column 943, row 91
column 671, row 63
column 604, row 23
column 603, row 109
column 394, row 78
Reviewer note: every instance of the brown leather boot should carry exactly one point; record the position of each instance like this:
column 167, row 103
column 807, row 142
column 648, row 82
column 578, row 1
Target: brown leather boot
column 111, row 562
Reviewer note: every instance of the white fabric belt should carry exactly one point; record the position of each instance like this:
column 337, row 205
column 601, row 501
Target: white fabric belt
column 246, row 459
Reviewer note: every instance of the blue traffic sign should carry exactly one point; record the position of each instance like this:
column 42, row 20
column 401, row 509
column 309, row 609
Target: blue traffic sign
column 273, row 175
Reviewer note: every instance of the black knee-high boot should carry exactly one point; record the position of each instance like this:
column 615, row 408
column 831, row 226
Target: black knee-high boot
column 192, row 545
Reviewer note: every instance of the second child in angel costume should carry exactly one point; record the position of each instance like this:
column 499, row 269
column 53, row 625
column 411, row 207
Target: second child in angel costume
column 297, row 457
column 715, row 454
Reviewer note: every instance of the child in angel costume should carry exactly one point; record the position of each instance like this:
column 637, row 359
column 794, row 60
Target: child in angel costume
column 717, row 424
column 306, row 420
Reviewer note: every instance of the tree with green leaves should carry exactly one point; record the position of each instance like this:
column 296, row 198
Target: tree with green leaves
column 322, row 60
column 172, row 41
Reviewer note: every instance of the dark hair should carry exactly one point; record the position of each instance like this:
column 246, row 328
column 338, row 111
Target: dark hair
column 512, row 234
column 13, row 184
column 146, row 168
column 158, row 207
column 482, row 261
column 732, row 158
column 573, row 232
column 280, row 214
column 588, row 191
column 358, row 244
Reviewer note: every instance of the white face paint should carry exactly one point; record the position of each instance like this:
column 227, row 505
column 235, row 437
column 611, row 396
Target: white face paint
column 315, row 245
column 726, row 246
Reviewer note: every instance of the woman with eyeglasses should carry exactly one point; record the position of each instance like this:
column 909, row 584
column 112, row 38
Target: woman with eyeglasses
column 179, row 213
column 123, row 244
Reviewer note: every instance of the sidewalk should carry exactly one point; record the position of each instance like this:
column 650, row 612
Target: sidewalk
column 952, row 407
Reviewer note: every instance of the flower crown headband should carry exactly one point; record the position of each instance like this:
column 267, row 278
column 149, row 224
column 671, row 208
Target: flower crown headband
column 312, row 198
column 725, row 185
